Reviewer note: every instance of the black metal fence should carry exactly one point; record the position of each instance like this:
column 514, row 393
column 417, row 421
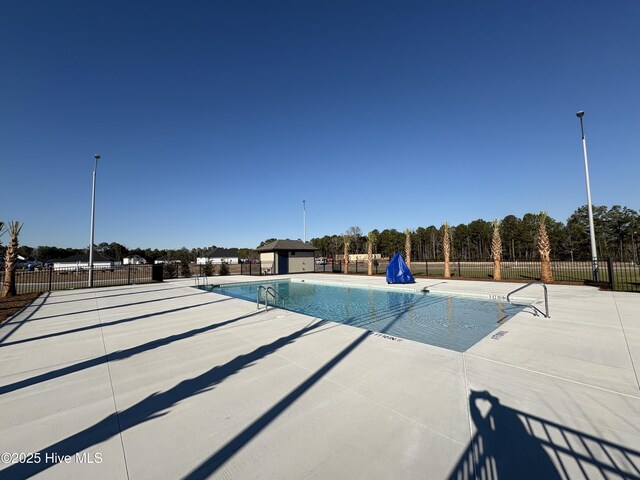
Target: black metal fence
column 613, row 274
column 182, row 270
column 48, row 279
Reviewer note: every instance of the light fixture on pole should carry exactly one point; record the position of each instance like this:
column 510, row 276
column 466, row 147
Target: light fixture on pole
column 594, row 254
column 304, row 220
column 93, row 212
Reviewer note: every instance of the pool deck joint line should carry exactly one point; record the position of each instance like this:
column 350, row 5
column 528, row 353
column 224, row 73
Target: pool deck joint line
column 113, row 393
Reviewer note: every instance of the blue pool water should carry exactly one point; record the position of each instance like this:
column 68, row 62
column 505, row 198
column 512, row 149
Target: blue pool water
column 455, row 323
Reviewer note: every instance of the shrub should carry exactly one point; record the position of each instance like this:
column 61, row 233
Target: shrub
column 224, row 269
column 207, row 270
column 185, row 270
column 170, row 270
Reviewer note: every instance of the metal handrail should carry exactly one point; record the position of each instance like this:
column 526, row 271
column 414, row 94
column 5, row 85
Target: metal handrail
column 205, row 280
column 261, row 287
column 268, row 291
column 535, row 309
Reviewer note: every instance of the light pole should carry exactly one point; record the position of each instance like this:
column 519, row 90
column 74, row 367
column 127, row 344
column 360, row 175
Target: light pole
column 93, row 213
column 304, row 220
column 594, row 254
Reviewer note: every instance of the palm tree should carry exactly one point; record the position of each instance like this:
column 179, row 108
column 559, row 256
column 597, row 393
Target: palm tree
column 372, row 238
column 11, row 260
column 407, row 247
column 347, row 242
column 446, row 247
column 2, row 232
column 496, row 250
column 544, row 247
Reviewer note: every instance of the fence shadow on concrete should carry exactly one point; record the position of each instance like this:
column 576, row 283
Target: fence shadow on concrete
column 99, row 324
column 118, row 355
column 154, row 406
column 509, row 443
column 212, row 464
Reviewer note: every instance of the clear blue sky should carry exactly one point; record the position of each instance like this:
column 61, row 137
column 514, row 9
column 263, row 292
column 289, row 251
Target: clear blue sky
column 215, row 120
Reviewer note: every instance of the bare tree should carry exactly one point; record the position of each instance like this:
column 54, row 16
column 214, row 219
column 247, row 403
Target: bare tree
column 335, row 244
column 372, row 238
column 357, row 240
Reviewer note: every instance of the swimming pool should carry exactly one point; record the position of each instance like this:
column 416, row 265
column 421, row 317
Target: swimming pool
column 452, row 322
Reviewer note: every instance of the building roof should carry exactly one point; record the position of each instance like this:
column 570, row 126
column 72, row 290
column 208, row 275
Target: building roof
column 84, row 258
column 221, row 253
column 287, row 244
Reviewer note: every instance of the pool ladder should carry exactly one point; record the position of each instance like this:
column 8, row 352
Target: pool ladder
column 268, row 291
column 535, row 309
column 204, row 278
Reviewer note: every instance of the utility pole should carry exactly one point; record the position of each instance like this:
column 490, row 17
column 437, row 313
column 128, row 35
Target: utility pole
column 93, row 213
column 594, row 253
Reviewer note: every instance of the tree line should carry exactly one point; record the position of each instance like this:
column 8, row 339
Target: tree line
column 118, row 251
column 617, row 230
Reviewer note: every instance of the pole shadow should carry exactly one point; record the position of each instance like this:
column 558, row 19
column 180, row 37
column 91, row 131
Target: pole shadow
column 117, row 356
column 107, row 324
column 111, row 307
column 87, row 295
column 154, row 406
column 227, row 451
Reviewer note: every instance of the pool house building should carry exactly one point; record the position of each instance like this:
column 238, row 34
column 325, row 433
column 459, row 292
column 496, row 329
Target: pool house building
column 282, row 257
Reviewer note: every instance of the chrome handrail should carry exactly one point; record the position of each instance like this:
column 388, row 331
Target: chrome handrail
column 268, row 291
column 261, row 287
column 535, row 309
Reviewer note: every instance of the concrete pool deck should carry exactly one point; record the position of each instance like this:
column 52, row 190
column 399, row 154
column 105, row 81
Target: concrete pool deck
column 167, row 381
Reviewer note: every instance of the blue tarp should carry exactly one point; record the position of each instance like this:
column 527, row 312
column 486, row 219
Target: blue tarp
column 398, row 272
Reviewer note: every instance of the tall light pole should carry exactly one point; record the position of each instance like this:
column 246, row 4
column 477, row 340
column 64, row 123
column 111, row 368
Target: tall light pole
column 93, row 214
column 594, row 253
column 304, row 220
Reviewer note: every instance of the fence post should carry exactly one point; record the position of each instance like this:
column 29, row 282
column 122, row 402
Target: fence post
column 459, row 273
column 426, row 268
column 610, row 268
column 50, row 276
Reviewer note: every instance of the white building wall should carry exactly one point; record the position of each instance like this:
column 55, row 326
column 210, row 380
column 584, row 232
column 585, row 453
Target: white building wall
column 267, row 262
column 83, row 265
column 217, row 260
column 133, row 260
column 301, row 262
